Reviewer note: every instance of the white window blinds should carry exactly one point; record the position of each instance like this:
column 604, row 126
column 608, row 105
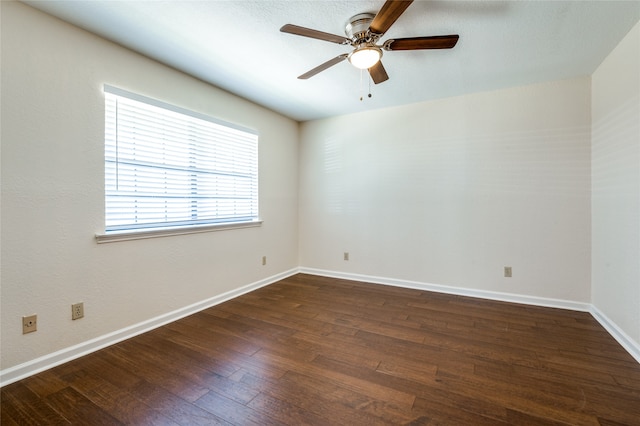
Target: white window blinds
column 169, row 167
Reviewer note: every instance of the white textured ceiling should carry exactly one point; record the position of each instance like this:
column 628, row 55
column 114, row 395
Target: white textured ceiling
column 237, row 45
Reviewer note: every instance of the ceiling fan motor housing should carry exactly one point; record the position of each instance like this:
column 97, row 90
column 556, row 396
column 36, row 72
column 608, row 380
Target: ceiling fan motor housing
column 357, row 28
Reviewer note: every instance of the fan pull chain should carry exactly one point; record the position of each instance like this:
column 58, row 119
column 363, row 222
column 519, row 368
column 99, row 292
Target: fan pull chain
column 361, row 91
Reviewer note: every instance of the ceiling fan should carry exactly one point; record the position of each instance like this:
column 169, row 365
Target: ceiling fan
column 363, row 32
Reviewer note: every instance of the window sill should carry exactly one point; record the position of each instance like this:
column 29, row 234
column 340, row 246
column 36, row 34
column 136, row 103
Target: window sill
column 167, row 232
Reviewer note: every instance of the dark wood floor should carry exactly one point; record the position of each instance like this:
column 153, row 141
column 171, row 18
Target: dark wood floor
column 322, row 351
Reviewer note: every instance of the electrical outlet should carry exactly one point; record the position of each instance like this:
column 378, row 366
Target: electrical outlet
column 346, row 255
column 264, row 260
column 507, row 272
column 29, row 324
column 77, row 311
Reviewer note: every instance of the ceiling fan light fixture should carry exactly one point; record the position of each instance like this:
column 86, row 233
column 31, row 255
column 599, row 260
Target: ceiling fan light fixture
column 365, row 56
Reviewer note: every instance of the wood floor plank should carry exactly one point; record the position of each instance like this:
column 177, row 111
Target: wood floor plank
column 120, row 403
column 349, row 381
column 233, row 412
column 22, row 406
column 371, row 353
column 285, row 412
column 179, row 410
column 328, row 399
column 516, row 417
column 518, row 396
column 45, row 383
column 78, row 409
column 326, row 351
column 451, row 409
column 200, row 340
column 145, row 365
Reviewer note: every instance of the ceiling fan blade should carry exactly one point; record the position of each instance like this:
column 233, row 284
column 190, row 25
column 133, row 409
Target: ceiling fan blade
column 417, row 43
column 324, row 66
column 389, row 13
column 378, row 73
column 319, row 35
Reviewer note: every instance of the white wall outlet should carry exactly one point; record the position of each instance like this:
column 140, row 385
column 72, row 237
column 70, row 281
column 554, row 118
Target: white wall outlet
column 264, row 260
column 77, row 311
column 507, row 272
column 29, row 324
column 346, row 255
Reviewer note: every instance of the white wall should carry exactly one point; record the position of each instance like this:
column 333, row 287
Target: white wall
column 53, row 200
column 616, row 186
column 448, row 192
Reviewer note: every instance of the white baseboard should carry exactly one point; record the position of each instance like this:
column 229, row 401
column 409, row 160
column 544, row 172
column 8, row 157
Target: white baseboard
column 460, row 291
column 616, row 332
column 21, row 371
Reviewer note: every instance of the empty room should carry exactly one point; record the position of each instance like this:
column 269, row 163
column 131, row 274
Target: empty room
column 283, row 212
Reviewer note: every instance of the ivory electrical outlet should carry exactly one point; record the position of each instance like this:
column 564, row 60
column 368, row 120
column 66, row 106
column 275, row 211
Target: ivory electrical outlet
column 77, row 311
column 29, row 324
column 507, row 272
column 346, row 255
column 264, row 260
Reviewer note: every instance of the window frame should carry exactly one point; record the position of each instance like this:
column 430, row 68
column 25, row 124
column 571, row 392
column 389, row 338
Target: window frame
column 186, row 226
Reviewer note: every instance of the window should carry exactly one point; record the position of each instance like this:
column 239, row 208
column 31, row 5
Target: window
column 168, row 168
